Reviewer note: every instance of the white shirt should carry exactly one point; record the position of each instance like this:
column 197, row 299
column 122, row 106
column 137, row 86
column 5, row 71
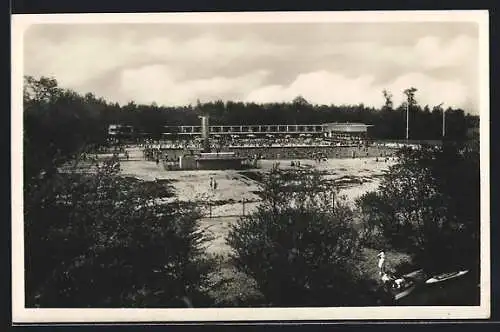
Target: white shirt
column 381, row 260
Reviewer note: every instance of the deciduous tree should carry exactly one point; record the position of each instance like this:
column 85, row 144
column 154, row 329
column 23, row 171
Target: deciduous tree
column 300, row 248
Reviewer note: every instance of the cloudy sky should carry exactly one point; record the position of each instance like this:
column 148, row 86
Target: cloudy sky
column 339, row 63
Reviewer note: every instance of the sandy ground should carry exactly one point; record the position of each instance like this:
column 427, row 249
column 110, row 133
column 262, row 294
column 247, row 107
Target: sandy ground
column 195, row 185
column 234, row 187
column 217, row 229
column 367, row 170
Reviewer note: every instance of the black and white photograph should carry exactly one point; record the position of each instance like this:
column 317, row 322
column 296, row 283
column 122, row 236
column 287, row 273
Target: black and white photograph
column 250, row 166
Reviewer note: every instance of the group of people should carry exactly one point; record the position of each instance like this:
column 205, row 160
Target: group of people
column 125, row 155
column 154, row 154
column 386, row 159
column 319, row 157
column 222, row 143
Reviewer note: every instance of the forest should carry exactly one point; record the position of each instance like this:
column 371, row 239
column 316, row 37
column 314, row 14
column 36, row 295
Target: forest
column 389, row 122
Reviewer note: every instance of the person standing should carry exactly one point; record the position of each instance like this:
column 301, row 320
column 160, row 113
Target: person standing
column 381, row 263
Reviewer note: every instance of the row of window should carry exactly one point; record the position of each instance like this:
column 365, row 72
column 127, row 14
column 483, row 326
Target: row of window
column 246, row 129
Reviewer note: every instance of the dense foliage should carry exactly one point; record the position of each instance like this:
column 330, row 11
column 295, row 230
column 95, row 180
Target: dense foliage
column 300, row 247
column 428, row 205
column 389, row 122
column 95, row 239
column 104, row 241
column 58, row 124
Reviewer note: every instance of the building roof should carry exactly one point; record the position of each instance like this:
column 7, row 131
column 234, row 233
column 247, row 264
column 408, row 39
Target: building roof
column 213, row 156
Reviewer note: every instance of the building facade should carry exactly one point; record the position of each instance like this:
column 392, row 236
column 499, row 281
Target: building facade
column 120, row 131
column 330, row 130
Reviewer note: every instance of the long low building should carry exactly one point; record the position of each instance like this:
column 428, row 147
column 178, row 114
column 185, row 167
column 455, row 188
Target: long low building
column 335, row 131
column 325, row 130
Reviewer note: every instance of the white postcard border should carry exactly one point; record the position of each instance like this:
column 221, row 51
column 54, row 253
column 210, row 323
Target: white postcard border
column 23, row 315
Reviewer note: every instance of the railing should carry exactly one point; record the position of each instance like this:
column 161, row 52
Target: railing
column 410, row 142
column 236, row 209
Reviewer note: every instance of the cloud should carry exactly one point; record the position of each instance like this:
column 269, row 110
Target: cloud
column 431, row 91
column 211, row 48
column 75, row 61
column 170, row 68
column 415, row 64
column 320, row 87
column 430, row 52
column 163, row 85
column 323, row 87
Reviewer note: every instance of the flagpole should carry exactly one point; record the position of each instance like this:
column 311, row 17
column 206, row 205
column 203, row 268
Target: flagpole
column 407, row 119
column 444, row 120
column 444, row 125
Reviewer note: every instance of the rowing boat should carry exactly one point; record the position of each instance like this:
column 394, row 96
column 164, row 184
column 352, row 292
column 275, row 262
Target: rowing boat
column 446, row 276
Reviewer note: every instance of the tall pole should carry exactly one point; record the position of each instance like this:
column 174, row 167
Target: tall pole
column 410, row 93
column 444, row 125
column 407, row 119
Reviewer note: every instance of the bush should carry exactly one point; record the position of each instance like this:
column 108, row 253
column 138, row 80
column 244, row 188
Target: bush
column 428, row 205
column 300, row 249
column 104, row 241
column 372, row 234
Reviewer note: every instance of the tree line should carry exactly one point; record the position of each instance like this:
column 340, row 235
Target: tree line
column 389, row 121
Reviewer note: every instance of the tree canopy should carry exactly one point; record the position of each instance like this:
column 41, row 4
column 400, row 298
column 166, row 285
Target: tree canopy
column 428, row 205
column 96, row 239
column 389, row 122
column 301, row 247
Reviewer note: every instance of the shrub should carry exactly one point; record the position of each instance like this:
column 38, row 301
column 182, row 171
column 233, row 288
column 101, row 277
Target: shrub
column 104, row 241
column 299, row 247
column 428, row 205
column 372, row 234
